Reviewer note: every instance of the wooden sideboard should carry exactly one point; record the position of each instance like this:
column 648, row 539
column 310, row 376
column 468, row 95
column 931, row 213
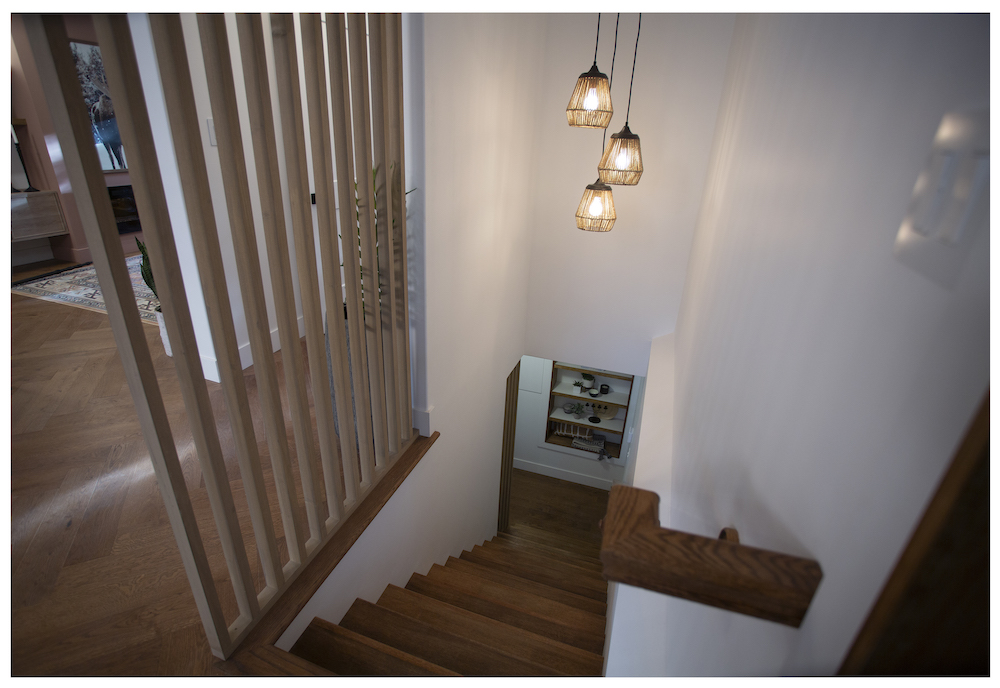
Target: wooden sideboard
column 35, row 215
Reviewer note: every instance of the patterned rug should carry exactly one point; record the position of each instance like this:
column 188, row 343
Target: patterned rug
column 79, row 287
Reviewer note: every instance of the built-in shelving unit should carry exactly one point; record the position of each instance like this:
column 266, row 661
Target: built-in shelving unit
column 613, row 419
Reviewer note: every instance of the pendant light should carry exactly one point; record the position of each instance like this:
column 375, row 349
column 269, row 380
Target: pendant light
column 590, row 105
column 596, row 212
column 622, row 160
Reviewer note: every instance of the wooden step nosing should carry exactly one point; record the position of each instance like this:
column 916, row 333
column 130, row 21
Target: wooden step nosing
column 521, row 600
column 491, row 574
column 566, row 577
column 340, row 633
column 590, row 564
column 585, row 639
column 524, row 554
column 519, row 640
column 529, row 533
column 361, row 611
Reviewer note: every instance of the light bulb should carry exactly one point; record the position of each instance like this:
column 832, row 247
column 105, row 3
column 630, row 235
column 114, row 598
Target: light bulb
column 591, row 102
column 596, row 207
column 621, row 162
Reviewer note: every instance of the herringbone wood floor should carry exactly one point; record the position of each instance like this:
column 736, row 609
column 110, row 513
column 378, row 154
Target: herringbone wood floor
column 97, row 585
column 97, row 581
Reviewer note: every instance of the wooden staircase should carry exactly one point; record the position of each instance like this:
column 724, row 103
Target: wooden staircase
column 526, row 603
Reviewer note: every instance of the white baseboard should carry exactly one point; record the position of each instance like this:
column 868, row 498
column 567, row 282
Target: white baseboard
column 422, row 421
column 246, row 358
column 562, row 474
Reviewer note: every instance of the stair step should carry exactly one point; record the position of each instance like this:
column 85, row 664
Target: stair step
column 505, row 549
column 582, row 547
column 511, row 580
column 589, row 563
column 436, row 645
column 271, row 661
column 542, row 571
column 513, row 607
column 348, row 653
column 511, row 640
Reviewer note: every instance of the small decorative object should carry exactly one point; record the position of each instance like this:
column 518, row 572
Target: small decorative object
column 147, row 276
column 577, row 411
column 588, row 381
column 594, row 419
column 592, row 445
column 594, row 392
column 578, row 387
column 604, row 411
column 605, row 389
column 571, row 430
column 568, row 407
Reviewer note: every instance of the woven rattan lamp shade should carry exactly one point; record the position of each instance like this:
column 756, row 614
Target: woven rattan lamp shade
column 622, row 161
column 596, row 212
column 590, row 104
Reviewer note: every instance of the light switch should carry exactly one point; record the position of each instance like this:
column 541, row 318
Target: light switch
column 950, row 203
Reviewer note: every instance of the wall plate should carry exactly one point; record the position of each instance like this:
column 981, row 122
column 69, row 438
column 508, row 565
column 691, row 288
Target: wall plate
column 951, row 199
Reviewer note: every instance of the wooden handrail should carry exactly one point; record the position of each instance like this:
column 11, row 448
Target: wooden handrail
column 719, row 573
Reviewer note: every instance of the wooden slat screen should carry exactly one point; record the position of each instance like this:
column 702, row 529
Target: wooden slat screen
column 347, row 399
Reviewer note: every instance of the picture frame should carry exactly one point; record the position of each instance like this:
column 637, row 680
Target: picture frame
column 97, row 96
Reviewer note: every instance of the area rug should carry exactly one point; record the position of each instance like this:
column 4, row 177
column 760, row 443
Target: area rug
column 79, row 287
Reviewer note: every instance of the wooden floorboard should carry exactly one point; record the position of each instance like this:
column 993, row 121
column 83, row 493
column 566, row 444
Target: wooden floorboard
column 97, row 583
column 560, row 508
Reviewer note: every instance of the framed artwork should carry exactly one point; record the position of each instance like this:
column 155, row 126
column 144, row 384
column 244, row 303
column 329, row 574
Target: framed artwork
column 90, row 70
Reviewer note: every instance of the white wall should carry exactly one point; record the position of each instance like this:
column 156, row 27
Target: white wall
column 531, row 453
column 171, row 180
column 821, row 385
column 156, row 108
column 479, row 76
column 599, row 299
column 638, row 619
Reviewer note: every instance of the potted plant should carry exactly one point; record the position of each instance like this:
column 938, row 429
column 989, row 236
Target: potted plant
column 578, row 411
column 146, row 269
column 588, row 381
column 578, row 388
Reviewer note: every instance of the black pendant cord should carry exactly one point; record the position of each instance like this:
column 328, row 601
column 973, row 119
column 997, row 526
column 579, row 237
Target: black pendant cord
column 629, row 108
column 598, row 41
column 612, row 79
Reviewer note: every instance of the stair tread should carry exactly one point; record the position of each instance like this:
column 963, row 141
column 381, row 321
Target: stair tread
column 349, row 653
column 589, row 563
column 548, row 572
column 526, row 611
column 436, row 645
column 272, row 661
column 539, row 558
column 586, row 548
column 513, row 592
column 511, row 640
column 526, row 552
column 512, row 580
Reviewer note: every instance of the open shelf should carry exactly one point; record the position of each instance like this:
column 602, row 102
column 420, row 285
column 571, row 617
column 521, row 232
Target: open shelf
column 597, row 372
column 561, row 390
column 613, row 450
column 616, row 425
column 565, row 388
